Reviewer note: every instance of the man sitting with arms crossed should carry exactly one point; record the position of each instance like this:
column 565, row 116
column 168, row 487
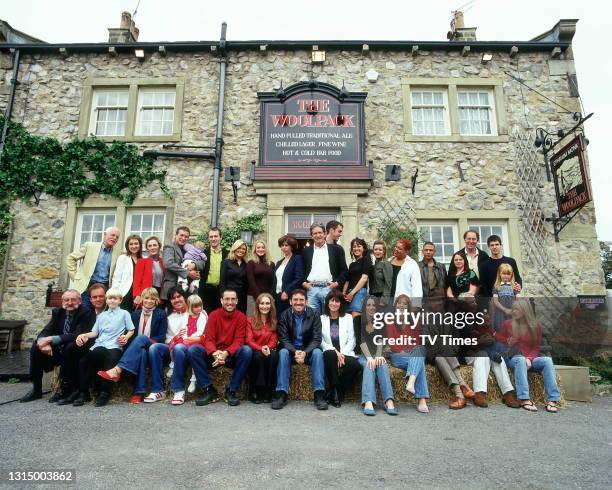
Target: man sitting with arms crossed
column 299, row 333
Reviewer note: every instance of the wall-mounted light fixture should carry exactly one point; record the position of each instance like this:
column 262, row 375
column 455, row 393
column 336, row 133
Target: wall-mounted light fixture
column 139, row 53
column 392, row 173
column 486, row 57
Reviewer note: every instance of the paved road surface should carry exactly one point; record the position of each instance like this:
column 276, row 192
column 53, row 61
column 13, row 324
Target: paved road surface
column 160, row 445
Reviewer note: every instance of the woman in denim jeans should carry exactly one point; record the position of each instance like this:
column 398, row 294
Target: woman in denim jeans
column 523, row 334
column 373, row 363
column 408, row 354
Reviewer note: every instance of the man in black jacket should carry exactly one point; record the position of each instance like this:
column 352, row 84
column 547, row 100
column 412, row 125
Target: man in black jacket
column 299, row 335
column 433, row 274
column 48, row 349
column 324, row 268
column 211, row 274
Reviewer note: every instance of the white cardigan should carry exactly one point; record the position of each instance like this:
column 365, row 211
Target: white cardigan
column 347, row 335
column 409, row 282
column 123, row 277
column 176, row 321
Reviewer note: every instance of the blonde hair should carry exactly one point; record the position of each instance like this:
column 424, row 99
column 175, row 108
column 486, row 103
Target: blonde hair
column 237, row 244
column 256, row 258
column 199, row 244
column 504, row 268
column 257, row 321
column 529, row 322
column 193, row 301
column 114, row 293
column 150, row 293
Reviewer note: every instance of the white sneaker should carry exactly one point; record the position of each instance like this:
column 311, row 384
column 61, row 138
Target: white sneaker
column 192, row 386
column 179, row 398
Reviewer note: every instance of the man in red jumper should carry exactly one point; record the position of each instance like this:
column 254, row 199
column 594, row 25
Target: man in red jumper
column 224, row 339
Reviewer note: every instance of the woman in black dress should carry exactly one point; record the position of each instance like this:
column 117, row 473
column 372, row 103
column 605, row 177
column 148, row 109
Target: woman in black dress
column 233, row 273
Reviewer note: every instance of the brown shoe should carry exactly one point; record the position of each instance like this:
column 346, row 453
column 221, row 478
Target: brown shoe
column 457, row 403
column 480, row 399
column 510, row 400
column 467, row 392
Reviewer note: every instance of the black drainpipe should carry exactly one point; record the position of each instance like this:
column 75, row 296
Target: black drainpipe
column 219, row 137
column 9, row 107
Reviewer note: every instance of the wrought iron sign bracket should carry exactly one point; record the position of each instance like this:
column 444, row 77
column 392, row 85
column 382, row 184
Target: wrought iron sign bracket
column 560, row 223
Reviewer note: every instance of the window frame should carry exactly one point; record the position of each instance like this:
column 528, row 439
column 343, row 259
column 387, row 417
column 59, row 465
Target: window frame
column 491, row 109
column 90, row 212
column 482, row 244
column 456, row 237
column 133, row 86
column 93, row 120
column 453, row 85
column 104, row 205
column 445, row 107
column 311, row 212
column 140, row 107
column 131, row 211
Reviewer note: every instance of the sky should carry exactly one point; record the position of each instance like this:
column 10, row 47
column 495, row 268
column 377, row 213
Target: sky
column 496, row 20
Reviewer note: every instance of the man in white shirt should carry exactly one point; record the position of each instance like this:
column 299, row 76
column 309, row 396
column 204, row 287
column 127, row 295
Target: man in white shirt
column 324, row 268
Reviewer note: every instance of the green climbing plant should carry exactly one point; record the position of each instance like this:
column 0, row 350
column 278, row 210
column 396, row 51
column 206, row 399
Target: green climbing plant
column 252, row 222
column 390, row 232
column 31, row 165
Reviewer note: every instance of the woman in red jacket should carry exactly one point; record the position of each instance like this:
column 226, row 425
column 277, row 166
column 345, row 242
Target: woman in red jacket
column 524, row 334
column 149, row 272
column 261, row 336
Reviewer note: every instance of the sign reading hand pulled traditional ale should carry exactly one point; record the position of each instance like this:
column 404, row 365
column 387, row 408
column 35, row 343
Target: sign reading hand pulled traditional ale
column 312, row 123
column 570, row 177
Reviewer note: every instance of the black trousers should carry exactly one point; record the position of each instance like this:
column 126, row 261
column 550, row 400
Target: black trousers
column 69, row 369
column 40, row 363
column 340, row 378
column 210, row 297
column 99, row 359
column 262, row 372
column 242, row 299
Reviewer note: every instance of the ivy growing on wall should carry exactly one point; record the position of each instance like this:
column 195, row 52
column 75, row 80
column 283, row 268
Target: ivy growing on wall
column 31, row 165
column 253, row 223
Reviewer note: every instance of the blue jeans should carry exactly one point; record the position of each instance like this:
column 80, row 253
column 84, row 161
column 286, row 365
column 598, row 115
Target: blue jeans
column 414, row 364
column 314, row 360
column 357, row 303
column 542, row 365
column 157, row 353
column 135, row 360
column 200, row 362
column 316, row 298
column 368, row 384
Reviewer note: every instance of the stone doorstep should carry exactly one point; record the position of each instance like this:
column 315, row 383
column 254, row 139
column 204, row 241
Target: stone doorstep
column 301, row 388
column 576, row 382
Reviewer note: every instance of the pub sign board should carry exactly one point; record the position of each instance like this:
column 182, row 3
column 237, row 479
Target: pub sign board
column 570, row 177
column 312, row 123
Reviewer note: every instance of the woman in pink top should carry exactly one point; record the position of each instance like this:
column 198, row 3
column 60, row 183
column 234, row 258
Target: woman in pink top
column 524, row 334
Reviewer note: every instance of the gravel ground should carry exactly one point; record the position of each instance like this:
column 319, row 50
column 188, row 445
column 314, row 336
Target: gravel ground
column 160, row 445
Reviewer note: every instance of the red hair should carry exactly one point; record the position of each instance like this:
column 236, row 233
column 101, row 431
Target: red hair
column 406, row 244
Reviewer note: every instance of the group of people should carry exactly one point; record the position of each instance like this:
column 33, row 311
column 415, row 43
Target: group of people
column 309, row 308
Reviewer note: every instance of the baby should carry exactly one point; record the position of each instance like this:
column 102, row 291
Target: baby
column 193, row 253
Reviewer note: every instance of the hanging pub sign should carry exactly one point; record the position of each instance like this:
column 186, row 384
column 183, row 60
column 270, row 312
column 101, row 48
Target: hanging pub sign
column 311, row 123
column 570, row 177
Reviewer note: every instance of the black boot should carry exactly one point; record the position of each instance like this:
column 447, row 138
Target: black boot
column 31, row 396
column 210, row 395
column 69, row 399
column 333, row 397
column 319, row 400
column 279, row 401
column 357, row 332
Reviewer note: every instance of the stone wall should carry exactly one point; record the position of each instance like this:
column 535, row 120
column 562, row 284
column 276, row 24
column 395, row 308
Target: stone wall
column 49, row 100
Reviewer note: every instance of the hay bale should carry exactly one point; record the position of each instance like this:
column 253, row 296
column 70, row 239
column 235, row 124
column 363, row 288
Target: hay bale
column 301, row 385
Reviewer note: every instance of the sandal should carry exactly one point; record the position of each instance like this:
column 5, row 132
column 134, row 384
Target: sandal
column 552, row 407
column 154, row 397
column 529, row 406
column 179, row 398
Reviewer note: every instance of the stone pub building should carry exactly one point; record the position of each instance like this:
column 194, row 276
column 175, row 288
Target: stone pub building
column 436, row 136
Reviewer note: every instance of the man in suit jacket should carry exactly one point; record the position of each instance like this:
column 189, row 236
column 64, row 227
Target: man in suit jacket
column 93, row 263
column 324, row 268
column 475, row 256
column 211, row 274
column 173, row 258
column 48, row 350
column 299, row 334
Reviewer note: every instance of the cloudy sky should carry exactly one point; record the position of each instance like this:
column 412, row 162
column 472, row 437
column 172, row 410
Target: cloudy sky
column 496, row 20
